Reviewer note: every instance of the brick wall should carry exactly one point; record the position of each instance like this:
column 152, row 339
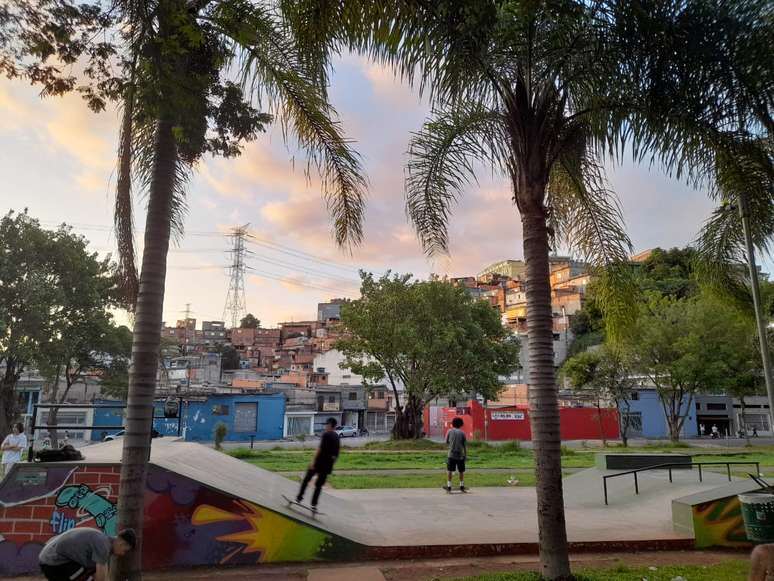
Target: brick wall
column 32, row 521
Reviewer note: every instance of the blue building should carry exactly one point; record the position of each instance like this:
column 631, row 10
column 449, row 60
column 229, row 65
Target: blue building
column 647, row 418
column 260, row 416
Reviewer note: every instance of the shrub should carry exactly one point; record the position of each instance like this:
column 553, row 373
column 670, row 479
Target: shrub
column 511, row 446
column 568, row 451
column 220, row 434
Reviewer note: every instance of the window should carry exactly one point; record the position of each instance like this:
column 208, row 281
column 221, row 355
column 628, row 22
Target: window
column 245, row 417
column 220, row 410
column 716, row 406
column 635, row 421
column 634, row 396
column 379, row 395
column 698, row 405
column 352, row 396
column 346, row 376
column 331, row 399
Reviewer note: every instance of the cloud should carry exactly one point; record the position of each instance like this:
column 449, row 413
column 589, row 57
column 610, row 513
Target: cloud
column 387, row 88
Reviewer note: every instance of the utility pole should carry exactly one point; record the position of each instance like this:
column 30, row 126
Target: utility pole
column 744, row 210
column 186, row 317
column 236, row 305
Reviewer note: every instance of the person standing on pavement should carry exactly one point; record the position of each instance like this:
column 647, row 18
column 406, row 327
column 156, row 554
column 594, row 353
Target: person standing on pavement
column 322, row 463
column 458, row 451
column 13, row 445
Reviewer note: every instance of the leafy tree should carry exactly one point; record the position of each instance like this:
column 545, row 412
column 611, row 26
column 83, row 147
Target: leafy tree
column 603, row 375
column 249, row 322
column 669, row 272
column 49, row 283
column 676, row 345
column 443, row 343
column 229, row 358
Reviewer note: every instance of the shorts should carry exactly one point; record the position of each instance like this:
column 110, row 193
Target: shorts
column 452, row 464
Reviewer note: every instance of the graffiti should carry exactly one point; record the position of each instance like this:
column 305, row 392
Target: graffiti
column 60, row 522
column 90, row 503
column 270, row 536
column 719, row 523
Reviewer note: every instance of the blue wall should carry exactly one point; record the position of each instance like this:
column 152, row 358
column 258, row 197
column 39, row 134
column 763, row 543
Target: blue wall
column 654, row 424
column 202, row 417
column 199, row 418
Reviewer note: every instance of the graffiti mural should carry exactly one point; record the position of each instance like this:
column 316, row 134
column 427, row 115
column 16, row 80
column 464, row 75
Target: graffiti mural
column 90, row 504
column 719, row 523
column 186, row 523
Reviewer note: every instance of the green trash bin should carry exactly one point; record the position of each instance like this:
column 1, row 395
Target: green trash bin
column 758, row 515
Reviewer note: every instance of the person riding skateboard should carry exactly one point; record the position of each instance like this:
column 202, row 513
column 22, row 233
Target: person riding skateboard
column 322, row 463
column 83, row 554
column 458, row 451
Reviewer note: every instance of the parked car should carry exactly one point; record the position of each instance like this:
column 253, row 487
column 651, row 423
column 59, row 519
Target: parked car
column 346, row 431
column 154, row 434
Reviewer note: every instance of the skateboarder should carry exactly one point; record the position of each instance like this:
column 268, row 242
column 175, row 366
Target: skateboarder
column 83, row 554
column 457, row 454
column 322, row 463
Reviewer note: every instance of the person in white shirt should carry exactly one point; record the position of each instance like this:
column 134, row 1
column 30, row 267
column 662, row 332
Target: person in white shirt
column 12, row 448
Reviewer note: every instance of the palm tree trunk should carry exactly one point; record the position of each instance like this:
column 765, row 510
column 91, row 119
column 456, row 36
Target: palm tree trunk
column 543, row 400
column 145, row 347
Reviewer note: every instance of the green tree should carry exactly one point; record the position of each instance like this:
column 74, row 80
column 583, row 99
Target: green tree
column 48, row 282
column 602, row 375
column 676, row 345
column 229, row 358
column 249, row 322
column 179, row 103
column 443, row 343
column 669, row 272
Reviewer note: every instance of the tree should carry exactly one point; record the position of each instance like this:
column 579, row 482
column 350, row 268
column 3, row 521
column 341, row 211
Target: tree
column 541, row 92
column 48, row 279
column 249, row 322
column 229, row 358
column 676, row 345
column 443, row 344
column 601, row 375
column 177, row 60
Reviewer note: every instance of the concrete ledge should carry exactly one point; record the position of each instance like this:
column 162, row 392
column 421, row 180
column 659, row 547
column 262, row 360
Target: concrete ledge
column 606, row 461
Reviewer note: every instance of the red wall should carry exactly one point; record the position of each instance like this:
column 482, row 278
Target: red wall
column 576, row 423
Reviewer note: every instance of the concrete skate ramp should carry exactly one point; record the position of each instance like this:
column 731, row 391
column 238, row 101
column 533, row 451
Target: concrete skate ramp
column 205, row 508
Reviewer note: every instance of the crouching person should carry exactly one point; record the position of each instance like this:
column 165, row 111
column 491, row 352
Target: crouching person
column 83, row 554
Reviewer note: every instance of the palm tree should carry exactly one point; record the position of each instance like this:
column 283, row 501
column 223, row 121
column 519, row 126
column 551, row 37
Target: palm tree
column 544, row 93
column 179, row 103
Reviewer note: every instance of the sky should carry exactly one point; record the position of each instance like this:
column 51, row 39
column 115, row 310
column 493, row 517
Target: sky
column 57, row 159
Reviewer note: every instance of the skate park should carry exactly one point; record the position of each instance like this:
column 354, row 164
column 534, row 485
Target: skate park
column 204, row 508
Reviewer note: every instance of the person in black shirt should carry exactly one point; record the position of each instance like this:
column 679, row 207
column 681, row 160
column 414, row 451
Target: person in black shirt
column 322, row 464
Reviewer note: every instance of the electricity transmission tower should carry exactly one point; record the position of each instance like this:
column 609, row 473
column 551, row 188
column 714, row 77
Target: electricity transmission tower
column 236, row 306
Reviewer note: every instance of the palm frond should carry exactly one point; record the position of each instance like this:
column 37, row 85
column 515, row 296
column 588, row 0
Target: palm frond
column 585, row 214
column 123, row 215
column 440, row 165
column 274, row 71
column 744, row 176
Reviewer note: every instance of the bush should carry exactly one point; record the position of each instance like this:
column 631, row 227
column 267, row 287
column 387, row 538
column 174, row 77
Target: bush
column 423, row 444
column 220, row 434
column 568, row 451
column 241, row 453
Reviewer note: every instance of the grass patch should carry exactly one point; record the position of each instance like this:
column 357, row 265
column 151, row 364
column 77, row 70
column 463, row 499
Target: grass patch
column 401, row 455
column 420, row 444
column 472, row 480
column 735, row 570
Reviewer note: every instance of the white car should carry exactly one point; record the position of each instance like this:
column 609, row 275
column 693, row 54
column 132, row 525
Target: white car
column 346, row 431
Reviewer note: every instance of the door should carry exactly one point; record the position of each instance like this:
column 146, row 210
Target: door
column 246, row 417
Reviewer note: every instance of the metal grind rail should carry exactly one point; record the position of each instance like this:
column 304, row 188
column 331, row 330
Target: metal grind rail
column 673, row 465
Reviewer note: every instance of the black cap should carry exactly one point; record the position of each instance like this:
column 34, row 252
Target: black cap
column 129, row 537
column 331, row 422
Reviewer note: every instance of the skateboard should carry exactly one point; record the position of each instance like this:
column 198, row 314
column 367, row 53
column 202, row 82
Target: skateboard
column 293, row 502
column 456, row 490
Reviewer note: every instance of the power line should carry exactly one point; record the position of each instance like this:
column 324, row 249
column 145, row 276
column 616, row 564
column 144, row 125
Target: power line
column 291, row 281
column 299, row 253
column 236, row 304
column 310, row 271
